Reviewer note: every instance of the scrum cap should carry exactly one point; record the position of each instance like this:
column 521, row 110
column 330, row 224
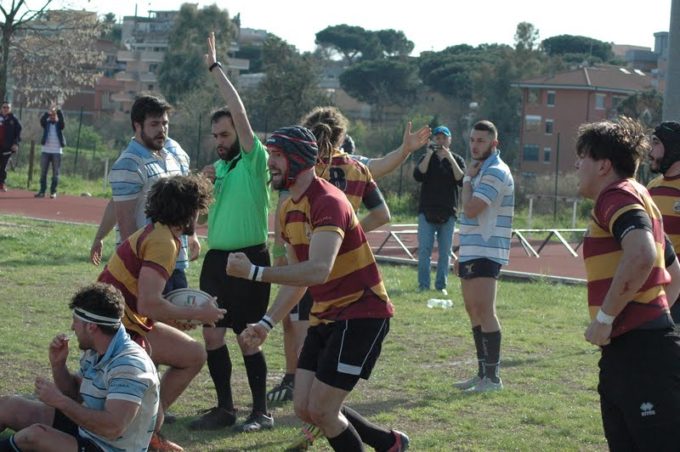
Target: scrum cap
column 299, row 147
column 668, row 133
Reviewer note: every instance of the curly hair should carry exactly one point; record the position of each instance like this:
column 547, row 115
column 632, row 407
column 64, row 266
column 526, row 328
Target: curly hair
column 622, row 141
column 329, row 126
column 101, row 299
column 175, row 201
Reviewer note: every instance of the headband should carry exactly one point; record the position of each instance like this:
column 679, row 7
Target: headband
column 86, row 316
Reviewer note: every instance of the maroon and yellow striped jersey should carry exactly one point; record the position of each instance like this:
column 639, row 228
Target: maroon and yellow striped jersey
column 602, row 254
column 354, row 288
column 153, row 246
column 353, row 178
column 665, row 192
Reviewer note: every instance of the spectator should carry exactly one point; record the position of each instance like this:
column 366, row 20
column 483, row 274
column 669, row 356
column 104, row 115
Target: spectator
column 440, row 172
column 53, row 144
column 10, row 136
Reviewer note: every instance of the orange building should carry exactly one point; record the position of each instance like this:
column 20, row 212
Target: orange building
column 554, row 106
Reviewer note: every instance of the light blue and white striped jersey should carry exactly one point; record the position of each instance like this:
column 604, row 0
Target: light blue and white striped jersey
column 488, row 235
column 136, row 170
column 125, row 372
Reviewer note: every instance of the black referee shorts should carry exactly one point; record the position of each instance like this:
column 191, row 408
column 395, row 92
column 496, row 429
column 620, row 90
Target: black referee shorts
column 245, row 301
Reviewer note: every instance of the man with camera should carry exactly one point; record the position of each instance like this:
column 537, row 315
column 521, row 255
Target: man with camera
column 441, row 173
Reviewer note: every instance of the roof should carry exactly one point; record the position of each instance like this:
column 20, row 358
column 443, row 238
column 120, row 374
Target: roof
column 594, row 78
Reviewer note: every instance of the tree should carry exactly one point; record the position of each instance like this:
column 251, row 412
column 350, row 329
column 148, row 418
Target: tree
column 183, row 69
column 14, row 18
column 526, row 37
column 452, row 71
column 570, row 44
column 394, row 43
column 381, row 83
column 347, row 40
column 55, row 56
column 646, row 106
column 289, row 90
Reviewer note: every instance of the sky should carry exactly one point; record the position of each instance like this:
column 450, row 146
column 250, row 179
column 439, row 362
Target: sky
column 435, row 25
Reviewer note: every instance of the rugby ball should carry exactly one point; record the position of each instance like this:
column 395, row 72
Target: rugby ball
column 188, row 297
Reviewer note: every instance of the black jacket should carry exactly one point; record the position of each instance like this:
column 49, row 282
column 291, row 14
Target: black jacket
column 439, row 191
column 12, row 132
column 60, row 126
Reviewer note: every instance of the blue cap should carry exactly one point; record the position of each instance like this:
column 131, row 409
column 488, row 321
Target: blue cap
column 441, row 129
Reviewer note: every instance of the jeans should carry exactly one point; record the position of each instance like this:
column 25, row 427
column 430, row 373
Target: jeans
column 426, row 234
column 45, row 159
column 4, row 161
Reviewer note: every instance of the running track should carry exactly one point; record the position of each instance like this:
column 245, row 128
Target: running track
column 555, row 260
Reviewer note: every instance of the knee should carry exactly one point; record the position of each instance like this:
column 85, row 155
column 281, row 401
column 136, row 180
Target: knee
column 31, row 436
column 196, row 355
column 319, row 416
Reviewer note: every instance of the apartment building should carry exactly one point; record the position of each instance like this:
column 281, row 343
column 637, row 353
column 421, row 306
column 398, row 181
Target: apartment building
column 554, row 106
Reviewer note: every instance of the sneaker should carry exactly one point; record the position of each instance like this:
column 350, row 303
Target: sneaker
column 257, row 422
column 3, row 187
column 443, row 291
column 467, row 384
column 486, row 385
column 159, row 443
column 53, row 195
column 308, row 434
column 283, row 392
column 401, row 441
column 40, row 194
column 213, row 419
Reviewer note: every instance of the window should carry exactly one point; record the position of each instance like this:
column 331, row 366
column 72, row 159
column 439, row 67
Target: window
column 550, row 101
column 549, row 126
column 599, row 101
column 153, row 67
column 546, row 154
column 150, row 87
column 530, row 153
column 532, row 123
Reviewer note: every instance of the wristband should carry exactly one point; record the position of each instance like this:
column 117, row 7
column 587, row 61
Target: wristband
column 604, row 318
column 266, row 322
column 467, row 179
column 255, row 273
column 214, row 65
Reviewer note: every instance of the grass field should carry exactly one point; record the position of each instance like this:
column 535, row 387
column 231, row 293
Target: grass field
column 550, row 372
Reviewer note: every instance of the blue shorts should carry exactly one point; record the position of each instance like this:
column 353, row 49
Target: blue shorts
column 479, row 268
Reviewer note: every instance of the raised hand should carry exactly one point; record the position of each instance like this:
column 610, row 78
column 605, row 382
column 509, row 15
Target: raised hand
column 58, row 350
column 413, row 141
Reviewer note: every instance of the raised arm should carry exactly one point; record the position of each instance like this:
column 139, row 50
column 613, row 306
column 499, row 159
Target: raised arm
column 230, row 95
column 382, row 166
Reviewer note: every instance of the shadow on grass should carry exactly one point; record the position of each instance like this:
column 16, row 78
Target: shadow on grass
column 518, row 362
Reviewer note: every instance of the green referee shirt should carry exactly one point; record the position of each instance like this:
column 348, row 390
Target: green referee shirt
column 238, row 217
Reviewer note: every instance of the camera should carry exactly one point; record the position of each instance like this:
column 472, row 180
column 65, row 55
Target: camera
column 434, row 147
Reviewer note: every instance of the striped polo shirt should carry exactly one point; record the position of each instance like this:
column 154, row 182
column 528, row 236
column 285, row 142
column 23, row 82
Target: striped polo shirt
column 488, row 235
column 354, row 288
column 602, row 254
column 154, row 247
column 124, row 372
